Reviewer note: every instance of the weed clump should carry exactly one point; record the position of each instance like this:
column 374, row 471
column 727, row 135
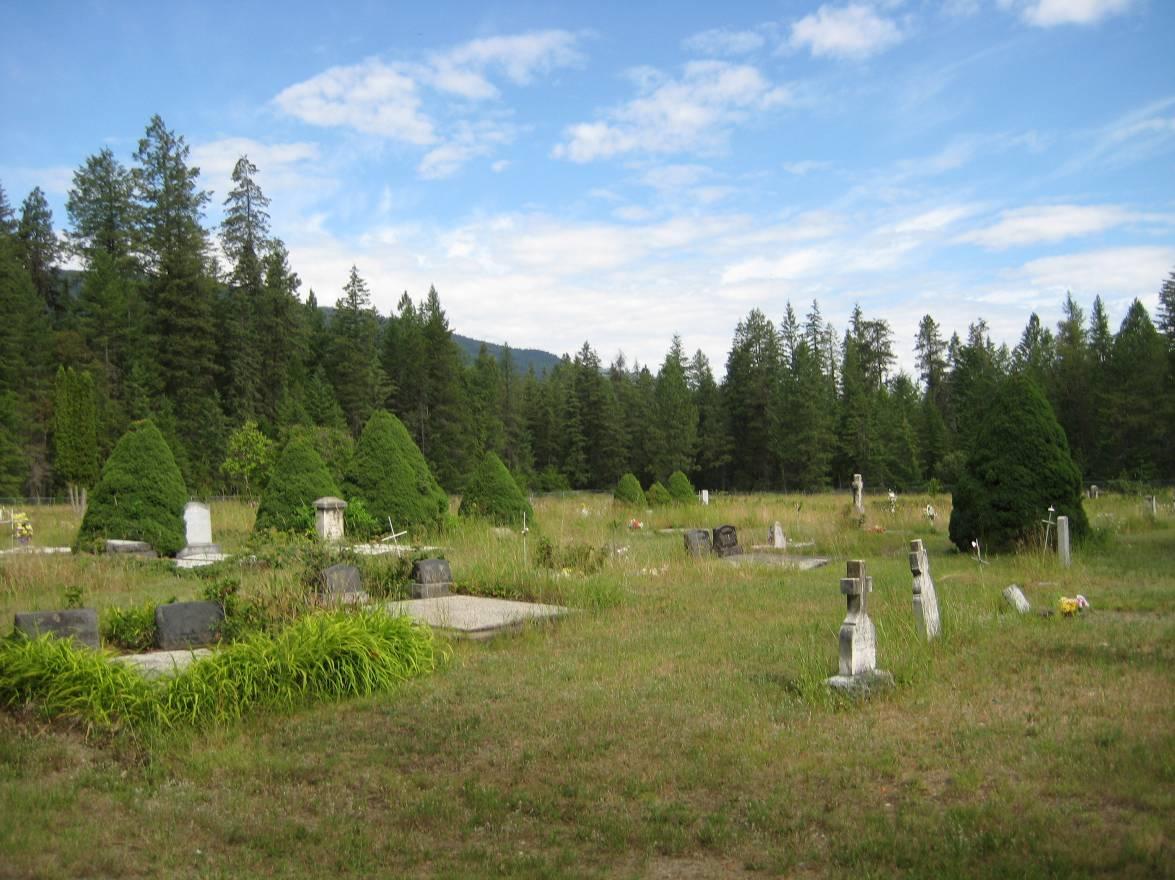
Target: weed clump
column 681, row 489
column 628, row 491
column 139, row 497
column 298, row 478
column 492, row 493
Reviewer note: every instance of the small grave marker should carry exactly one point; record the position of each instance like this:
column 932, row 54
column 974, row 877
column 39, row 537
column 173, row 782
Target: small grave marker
column 858, row 636
column 697, row 542
column 925, row 597
column 79, row 624
column 187, row 624
column 328, row 518
column 342, row 583
column 1014, row 596
column 705, row 497
column 858, row 494
column 776, row 538
column 726, row 541
column 1063, row 540
column 431, row 578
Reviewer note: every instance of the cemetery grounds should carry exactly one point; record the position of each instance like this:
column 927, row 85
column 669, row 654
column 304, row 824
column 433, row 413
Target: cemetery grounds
column 676, row 725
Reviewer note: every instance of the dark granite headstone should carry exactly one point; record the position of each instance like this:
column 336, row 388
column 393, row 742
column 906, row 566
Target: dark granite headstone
column 79, row 624
column 697, row 542
column 187, row 624
column 341, row 580
column 431, row 578
column 726, row 541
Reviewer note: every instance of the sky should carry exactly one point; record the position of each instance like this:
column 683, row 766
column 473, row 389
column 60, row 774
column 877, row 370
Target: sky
column 620, row 172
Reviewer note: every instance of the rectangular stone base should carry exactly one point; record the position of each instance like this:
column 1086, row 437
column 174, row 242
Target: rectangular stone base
column 476, row 617
column 864, row 683
column 429, row 591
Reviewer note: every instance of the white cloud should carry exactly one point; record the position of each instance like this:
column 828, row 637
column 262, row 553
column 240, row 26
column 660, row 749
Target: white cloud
column 854, row 31
column 694, row 112
column 468, row 141
column 19, row 182
column 1049, row 13
column 1125, row 271
column 934, row 220
column 721, row 41
column 216, row 159
column 806, row 166
column 519, row 57
column 1047, row 223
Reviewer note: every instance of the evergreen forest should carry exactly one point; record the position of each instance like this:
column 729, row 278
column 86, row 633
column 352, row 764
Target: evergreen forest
column 207, row 332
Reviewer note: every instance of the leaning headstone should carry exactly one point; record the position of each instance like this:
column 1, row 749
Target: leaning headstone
column 858, row 670
column 131, row 548
column 725, row 541
column 705, row 497
column 187, row 624
column 328, row 518
column 79, row 624
column 431, row 578
column 697, row 542
column 858, row 493
column 925, row 598
column 1014, row 596
column 776, row 538
column 1063, row 540
column 342, row 583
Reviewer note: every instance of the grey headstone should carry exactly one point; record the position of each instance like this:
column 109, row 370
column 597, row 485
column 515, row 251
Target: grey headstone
column 341, row 580
column 1014, row 596
column 79, row 624
column 705, row 497
column 328, row 518
column 858, row 493
column 775, row 537
column 725, row 541
column 858, row 637
column 197, row 523
column 697, row 542
column 925, row 597
column 431, row 578
column 187, row 624
column 132, row 548
column 1063, row 540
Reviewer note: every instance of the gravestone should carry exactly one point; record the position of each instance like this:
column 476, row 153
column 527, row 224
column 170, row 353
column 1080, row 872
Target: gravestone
column 1063, row 540
column 1014, row 596
column 131, row 548
column 697, row 542
column 858, row 494
column 725, row 541
column 187, row 624
column 198, row 532
column 79, row 624
column 431, row 578
column 776, row 538
column 705, row 497
column 1094, row 493
column 328, row 518
column 857, row 640
column 1152, row 504
column 925, row 598
column 342, row 583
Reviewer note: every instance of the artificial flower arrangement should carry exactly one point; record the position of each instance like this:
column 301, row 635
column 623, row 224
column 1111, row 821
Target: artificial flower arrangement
column 1072, row 606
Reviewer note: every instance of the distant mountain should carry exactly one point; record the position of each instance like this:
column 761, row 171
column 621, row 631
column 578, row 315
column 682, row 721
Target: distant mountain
column 524, row 358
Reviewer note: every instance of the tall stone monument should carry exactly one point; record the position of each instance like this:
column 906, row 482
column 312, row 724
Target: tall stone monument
column 328, row 518
column 858, row 637
column 858, row 494
column 925, row 597
column 1063, row 540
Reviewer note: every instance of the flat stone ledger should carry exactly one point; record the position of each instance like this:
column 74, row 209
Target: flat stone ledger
column 197, row 524
column 476, row 617
column 131, row 548
column 328, row 518
column 858, row 670
column 925, row 598
column 79, row 624
column 187, row 625
column 431, row 578
column 1014, row 596
column 162, row 664
column 342, row 582
column 697, row 542
column 725, row 541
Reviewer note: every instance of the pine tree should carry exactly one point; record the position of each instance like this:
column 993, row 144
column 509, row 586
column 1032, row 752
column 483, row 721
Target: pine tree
column 677, row 415
column 446, row 433
column 75, row 434
column 484, row 392
column 7, row 217
column 355, row 372
column 40, row 251
column 751, row 393
column 713, row 441
column 281, row 333
column 1138, row 369
column 101, row 210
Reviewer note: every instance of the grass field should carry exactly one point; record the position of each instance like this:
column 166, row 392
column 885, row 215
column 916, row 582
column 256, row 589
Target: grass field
column 676, row 726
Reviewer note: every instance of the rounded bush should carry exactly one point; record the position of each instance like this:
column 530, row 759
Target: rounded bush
column 658, row 495
column 298, row 478
column 681, row 489
column 140, row 495
column 1018, row 467
column 389, row 473
column 491, row 492
column 628, row 491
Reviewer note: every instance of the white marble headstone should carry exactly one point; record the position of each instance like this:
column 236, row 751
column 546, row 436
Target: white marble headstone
column 858, row 493
column 925, row 597
column 1063, row 540
column 197, row 523
column 1014, row 596
column 705, row 497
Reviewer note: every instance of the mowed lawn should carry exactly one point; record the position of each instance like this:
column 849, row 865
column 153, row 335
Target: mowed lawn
column 675, row 726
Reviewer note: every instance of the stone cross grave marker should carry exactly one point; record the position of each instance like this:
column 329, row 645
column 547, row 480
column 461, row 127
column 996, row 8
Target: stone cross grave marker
column 858, row 493
column 197, row 523
column 1063, row 540
column 776, row 537
column 858, row 636
column 925, row 597
column 328, row 518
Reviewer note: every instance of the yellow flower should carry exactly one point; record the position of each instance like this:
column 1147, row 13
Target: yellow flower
column 1068, row 606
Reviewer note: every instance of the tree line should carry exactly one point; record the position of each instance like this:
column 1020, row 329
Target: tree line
column 205, row 331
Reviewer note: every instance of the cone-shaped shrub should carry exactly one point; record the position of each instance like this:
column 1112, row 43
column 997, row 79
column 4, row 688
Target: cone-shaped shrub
column 1018, row 467
column 491, row 492
column 298, row 478
column 389, row 473
column 681, row 489
column 140, row 495
column 658, row 495
column 628, row 491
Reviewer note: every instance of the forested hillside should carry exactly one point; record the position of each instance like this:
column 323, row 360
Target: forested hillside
column 217, row 346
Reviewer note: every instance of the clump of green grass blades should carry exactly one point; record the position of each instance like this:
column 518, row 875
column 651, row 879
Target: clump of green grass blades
column 323, row 656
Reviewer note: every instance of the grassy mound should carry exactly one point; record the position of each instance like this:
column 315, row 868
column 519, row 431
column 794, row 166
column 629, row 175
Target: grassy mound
column 139, row 497
column 628, row 491
column 389, row 473
column 682, row 489
column 492, row 493
column 298, row 478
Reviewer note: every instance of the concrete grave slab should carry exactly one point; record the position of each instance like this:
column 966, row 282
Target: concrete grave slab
column 187, row 624
column 782, row 560
column 162, row 664
column 476, row 617
column 79, row 624
column 199, row 558
column 131, row 548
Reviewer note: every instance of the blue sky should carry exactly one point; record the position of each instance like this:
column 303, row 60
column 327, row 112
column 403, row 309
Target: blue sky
column 619, row 172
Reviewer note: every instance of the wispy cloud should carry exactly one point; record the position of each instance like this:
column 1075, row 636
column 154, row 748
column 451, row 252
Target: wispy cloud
column 722, row 41
column 1134, row 136
column 1125, row 271
column 1050, row 13
column 1048, row 223
column 693, row 112
column 855, row 31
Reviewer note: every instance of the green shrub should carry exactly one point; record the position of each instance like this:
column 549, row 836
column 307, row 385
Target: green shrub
column 550, row 479
column 358, row 522
column 390, row 474
column 1019, row 466
column 582, row 558
column 298, row 478
column 139, row 497
column 658, row 495
column 132, row 629
column 681, row 489
column 492, row 493
column 628, row 491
